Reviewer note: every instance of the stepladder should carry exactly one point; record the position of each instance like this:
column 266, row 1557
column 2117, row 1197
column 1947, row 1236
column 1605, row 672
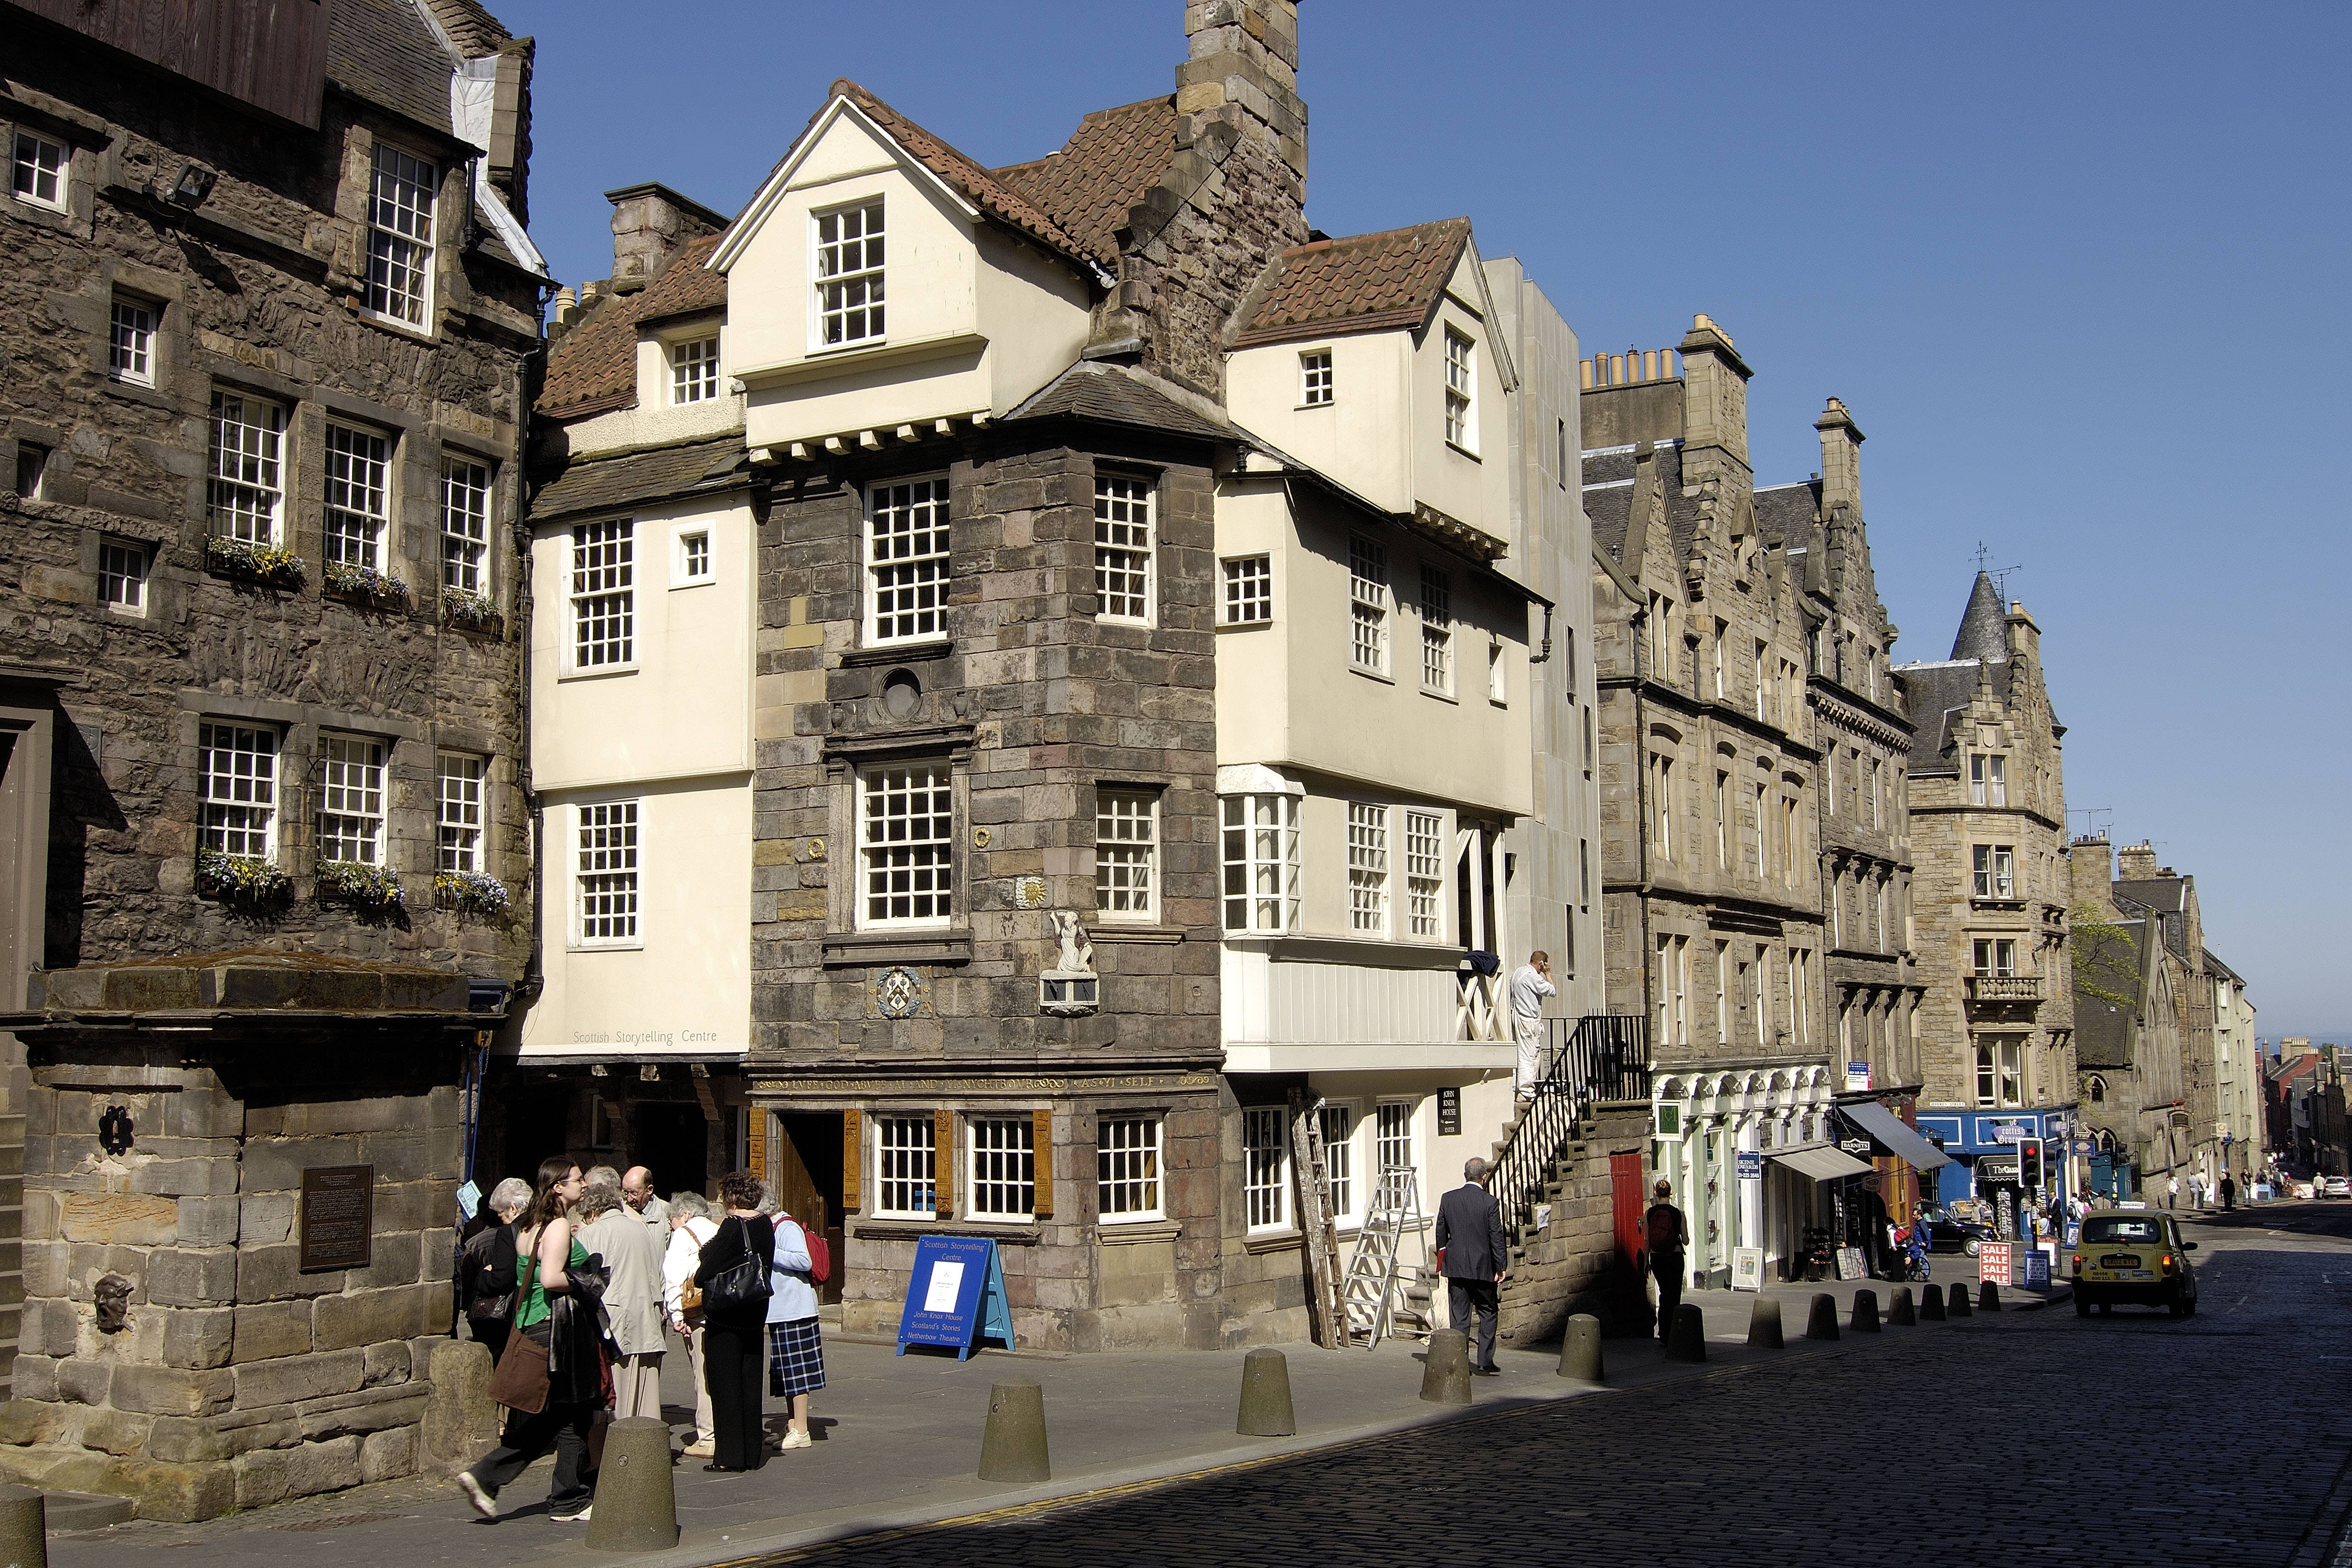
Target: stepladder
column 1368, row 1292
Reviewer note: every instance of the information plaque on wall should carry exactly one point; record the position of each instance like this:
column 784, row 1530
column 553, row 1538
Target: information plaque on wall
column 338, row 1218
column 1449, row 1113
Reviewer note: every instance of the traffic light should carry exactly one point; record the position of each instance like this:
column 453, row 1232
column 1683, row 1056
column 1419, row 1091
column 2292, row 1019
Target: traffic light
column 2029, row 1165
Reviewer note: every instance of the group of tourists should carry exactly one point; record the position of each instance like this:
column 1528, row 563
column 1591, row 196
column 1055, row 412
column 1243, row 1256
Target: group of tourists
column 581, row 1284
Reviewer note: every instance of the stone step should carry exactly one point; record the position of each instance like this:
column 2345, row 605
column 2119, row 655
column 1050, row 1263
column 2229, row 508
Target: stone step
column 71, row 1511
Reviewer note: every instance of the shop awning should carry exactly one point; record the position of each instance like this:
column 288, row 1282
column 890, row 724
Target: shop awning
column 1888, row 1130
column 1819, row 1161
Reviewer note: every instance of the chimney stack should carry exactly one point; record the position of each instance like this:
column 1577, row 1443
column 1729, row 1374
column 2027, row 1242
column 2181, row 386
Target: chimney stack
column 1841, row 460
column 2091, row 865
column 651, row 224
column 2024, row 636
column 1714, row 397
column 1242, row 69
column 2136, row 863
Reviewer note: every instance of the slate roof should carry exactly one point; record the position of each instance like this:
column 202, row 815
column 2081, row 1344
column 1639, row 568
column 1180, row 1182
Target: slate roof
column 1101, row 171
column 2215, row 966
column 1933, row 693
column 595, row 365
column 1116, row 396
column 2160, row 895
column 1610, row 510
column 1365, row 283
column 1785, row 514
column 471, row 27
column 382, row 52
column 1984, row 627
column 633, row 479
column 2103, row 1028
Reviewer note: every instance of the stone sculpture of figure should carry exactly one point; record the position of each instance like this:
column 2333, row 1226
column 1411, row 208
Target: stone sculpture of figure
column 113, row 1294
column 1078, row 954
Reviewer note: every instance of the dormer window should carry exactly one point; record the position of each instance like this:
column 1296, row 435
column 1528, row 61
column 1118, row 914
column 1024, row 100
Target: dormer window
column 1461, row 390
column 848, row 274
column 694, row 369
column 1315, row 379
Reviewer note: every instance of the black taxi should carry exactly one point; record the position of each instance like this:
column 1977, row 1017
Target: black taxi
column 2134, row 1256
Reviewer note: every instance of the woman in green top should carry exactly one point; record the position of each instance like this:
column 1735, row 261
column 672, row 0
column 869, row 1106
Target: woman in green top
column 545, row 1253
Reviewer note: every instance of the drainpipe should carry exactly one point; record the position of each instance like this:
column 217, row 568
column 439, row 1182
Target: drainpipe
column 1641, row 818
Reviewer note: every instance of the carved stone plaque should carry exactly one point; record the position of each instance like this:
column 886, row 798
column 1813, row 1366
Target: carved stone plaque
column 337, row 1220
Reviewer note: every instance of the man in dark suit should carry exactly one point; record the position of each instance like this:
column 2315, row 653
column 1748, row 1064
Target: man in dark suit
column 1470, row 1238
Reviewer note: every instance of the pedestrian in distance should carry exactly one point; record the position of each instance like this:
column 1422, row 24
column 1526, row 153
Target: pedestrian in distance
column 734, row 1321
column 795, row 1347
column 2228, row 1194
column 1530, row 983
column 546, row 1254
column 633, row 1299
column 690, row 1225
column 1666, row 1238
column 485, row 1268
column 2171, row 1191
column 637, row 1192
column 1472, row 1253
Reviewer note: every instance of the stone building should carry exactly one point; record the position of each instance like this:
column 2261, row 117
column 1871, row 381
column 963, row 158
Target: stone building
column 1990, row 889
column 269, row 317
column 2237, row 1148
column 1709, row 784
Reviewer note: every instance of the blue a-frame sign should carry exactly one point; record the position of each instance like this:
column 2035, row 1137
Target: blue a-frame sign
column 955, row 1296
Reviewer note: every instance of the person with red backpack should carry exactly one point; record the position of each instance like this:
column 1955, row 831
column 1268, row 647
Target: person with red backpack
column 795, row 1347
column 1665, row 1237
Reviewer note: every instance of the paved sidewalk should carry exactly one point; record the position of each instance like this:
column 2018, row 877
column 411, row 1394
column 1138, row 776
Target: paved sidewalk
column 898, row 1439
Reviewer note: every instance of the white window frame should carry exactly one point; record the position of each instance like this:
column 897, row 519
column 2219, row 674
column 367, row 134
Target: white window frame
column 358, row 526
column 1127, row 549
column 1245, row 824
column 603, row 597
column 131, row 339
column 895, row 869
column 401, row 191
column 1993, row 871
column 1265, row 1169
column 1498, row 674
column 245, row 495
column 1367, row 869
column 237, row 812
column 1425, row 874
column 1317, row 387
column 685, row 570
column 854, row 294
column 1127, row 854
column 1392, row 1130
column 1000, row 1161
column 1248, row 599
column 1341, row 1187
column 1460, row 392
column 460, row 811
column 352, row 794
column 1368, row 605
column 1436, row 631
column 466, row 505
column 123, row 565
column 1128, row 1165
column 32, row 158
column 693, row 365
column 909, row 542
column 908, row 1142
column 608, row 874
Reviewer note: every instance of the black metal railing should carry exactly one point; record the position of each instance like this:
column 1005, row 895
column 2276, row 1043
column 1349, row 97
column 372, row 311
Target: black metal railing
column 1599, row 1056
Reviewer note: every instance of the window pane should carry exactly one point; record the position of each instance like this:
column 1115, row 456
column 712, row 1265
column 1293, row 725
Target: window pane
column 905, row 827
column 355, row 497
column 906, row 559
column 243, row 494
column 1004, row 1167
column 906, row 1166
column 1123, row 548
column 608, row 872
column 400, row 235
column 1264, row 1181
column 1126, row 850
column 465, row 526
column 1367, row 603
column 1249, row 590
column 1127, row 1167
column 1436, row 630
column 693, row 371
column 1368, row 869
column 350, row 799
column 1424, row 869
column 603, row 594
column 237, row 779
column 458, row 812
column 849, row 275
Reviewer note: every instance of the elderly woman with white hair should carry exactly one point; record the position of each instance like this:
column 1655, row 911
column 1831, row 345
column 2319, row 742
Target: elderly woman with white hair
column 486, row 1269
column 690, row 1225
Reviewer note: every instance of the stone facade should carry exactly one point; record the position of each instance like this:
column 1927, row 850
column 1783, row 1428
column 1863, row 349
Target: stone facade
column 315, row 1017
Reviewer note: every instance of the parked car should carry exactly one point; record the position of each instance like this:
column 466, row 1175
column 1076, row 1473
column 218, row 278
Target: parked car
column 2133, row 1258
column 2339, row 1187
column 1947, row 1233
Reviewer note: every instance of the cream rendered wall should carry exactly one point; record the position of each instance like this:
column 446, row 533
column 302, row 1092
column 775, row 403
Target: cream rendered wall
column 1253, row 701
column 1360, row 437
column 1033, row 311
column 1472, row 489
column 686, row 986
column 684, row 708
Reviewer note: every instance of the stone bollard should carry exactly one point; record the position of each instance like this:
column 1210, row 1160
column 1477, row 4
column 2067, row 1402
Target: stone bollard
column 1866, row 1313
column 1445, row 1371
column 1764, row 1325
column 1821, row 1322
column 1988, row 1297
column 1014, row 1447
column 636, row 1495
column 1899, row 1311
column 1579, row 1350
column 23, row 1528
column 1931, row 1305
column 1686, row 1341
column 458, row 1411
column 1266, row 1395
column 1959, row 1299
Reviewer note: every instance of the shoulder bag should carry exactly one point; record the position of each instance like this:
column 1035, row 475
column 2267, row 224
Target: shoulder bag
column 520, row 1381
column 742, row 1283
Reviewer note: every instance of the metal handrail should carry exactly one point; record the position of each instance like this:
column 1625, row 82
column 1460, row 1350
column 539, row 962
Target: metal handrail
column 1602, row 1056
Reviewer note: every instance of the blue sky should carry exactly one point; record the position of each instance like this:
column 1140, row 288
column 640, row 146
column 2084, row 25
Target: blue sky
column 2077, row 271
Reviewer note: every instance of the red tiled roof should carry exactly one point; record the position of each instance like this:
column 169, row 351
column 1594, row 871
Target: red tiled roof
column 1101, row 171
column 1363, row 283
column 595, row 365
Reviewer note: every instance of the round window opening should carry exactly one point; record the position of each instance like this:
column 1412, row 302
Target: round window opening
column 901, row 694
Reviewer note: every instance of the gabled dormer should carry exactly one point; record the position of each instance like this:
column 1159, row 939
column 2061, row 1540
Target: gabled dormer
column 1378, row 360
column 885, row 283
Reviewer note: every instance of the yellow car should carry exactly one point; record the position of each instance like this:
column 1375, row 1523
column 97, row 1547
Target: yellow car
column 2131, row 1256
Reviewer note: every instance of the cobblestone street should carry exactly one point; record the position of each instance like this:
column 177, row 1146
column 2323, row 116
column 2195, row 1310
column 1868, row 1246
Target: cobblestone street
column 2088, row 1441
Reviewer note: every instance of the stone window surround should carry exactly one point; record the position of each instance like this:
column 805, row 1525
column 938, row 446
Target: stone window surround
column 848, row 943
column 1151, row 797
column 433, row 243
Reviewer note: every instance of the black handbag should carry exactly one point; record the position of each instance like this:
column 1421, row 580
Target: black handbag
column 742, row 1283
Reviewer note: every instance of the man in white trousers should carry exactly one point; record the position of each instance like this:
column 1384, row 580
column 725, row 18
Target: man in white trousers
column 1530, row 983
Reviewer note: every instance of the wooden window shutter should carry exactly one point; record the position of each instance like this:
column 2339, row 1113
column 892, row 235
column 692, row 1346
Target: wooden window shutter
column 852, row 1159
column 1041, row 1142
column 755, row 1157
column 944, row 1164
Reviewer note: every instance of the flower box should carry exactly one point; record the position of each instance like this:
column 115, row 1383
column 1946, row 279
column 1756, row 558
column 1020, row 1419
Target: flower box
column 247, row 881
column 360, row 886
column 474, row 612
column 273, row 565
column 470, row 893
column 361, row 585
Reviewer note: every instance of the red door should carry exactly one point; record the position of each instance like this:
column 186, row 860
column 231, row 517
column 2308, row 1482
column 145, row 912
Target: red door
column 1625, row 1196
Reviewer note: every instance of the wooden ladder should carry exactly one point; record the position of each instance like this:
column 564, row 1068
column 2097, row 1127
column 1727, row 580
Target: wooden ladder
column 1316, row 1223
